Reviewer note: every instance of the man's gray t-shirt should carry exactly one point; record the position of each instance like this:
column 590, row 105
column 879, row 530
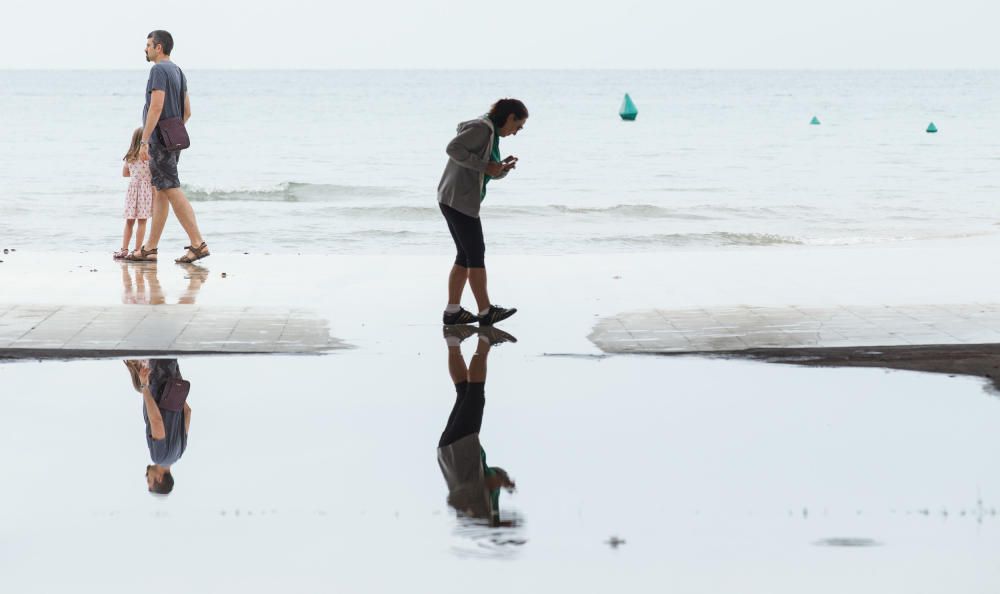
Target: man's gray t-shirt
column 167, row 77
column 168, row 450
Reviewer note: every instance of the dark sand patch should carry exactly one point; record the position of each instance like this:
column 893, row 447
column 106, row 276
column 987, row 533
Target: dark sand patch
column 981, row 360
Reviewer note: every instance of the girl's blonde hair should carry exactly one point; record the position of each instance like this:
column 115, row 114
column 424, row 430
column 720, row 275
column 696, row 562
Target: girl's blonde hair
column 133, row 149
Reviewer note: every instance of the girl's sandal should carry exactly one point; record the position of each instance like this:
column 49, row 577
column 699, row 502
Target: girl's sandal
column 121, row 255
column 199, row 252
column 144, row 255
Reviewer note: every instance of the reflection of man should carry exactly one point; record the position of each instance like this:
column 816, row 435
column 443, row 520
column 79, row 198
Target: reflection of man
column 166, row 430
column 473, row 486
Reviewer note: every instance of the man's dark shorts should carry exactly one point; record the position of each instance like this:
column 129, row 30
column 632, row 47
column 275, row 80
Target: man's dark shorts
column 163, row 167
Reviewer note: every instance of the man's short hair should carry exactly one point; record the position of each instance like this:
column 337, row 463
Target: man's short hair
column 163, row 486
column 161, row 37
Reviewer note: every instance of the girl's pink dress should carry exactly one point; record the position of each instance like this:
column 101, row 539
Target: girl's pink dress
column 139, row 198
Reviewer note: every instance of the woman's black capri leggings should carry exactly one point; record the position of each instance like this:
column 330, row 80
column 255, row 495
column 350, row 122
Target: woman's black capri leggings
column 468, row 235
column 466, row 415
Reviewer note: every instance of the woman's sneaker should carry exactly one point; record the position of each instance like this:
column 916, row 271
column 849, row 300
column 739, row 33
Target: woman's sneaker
column 496, row 314
column 462, row 316
column 456, row 334
column 495, row 336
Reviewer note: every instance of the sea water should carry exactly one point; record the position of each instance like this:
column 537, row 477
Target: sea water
column 326, row 162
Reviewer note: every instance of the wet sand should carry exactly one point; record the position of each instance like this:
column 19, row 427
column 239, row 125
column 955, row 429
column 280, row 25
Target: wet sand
column 975, row 360
column 559, row 297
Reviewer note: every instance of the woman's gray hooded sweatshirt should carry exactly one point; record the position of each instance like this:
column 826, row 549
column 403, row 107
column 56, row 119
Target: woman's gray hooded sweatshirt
column 461, row 184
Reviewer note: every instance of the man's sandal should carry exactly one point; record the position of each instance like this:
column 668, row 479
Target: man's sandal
column 144, row 255
column 199, row 252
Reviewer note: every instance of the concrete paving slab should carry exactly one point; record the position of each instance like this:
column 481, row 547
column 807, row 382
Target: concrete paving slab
column 129, row 330
column 740, row 328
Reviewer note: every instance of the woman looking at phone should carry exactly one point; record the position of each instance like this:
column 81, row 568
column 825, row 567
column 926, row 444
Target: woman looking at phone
column 473, row 161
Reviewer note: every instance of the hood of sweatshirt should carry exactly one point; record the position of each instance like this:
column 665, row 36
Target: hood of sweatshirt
column 480, row 121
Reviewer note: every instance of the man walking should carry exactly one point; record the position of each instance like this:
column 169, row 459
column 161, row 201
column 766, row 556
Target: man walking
column 166, row 97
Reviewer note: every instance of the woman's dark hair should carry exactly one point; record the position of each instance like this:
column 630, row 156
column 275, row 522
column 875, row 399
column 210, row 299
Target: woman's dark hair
column 161, row 37
column 503, row 108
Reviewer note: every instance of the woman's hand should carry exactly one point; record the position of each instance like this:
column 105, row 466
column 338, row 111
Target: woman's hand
column 495, row 169
column 505, row 480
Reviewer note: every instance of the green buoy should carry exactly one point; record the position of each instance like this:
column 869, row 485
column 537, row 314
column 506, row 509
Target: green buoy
column 628, row 110
column 932, row 129
column 815, row 121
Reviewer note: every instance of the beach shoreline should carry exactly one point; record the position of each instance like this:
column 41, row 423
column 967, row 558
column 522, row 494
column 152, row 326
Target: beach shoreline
column 560, row 297
column 939, row 271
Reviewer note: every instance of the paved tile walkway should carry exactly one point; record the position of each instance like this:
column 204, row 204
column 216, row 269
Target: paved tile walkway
column 742, row 328
column 160, row 329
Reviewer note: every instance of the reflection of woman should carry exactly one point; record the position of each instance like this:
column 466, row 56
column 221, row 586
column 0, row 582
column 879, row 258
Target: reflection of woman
column 473, row 485
column 473, row 160
column 166, row 430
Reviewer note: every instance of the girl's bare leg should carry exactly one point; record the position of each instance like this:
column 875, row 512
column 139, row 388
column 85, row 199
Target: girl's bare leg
column 127, row 233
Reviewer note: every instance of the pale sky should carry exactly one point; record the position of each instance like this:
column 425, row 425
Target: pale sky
column 506, row 34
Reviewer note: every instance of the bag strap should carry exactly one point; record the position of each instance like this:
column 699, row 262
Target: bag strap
column 183, row 89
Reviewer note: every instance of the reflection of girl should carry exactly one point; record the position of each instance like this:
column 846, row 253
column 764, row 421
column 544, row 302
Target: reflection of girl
column 137, row 294
column 473, row 485
column 134, row 367
column 166, row 430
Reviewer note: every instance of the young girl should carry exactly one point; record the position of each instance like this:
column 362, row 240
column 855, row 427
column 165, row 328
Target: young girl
column 139, row 198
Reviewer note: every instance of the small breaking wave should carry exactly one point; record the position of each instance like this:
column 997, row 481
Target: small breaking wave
column 291, row 192
column 385, row 212
column 718, row 238
column 638, row 211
